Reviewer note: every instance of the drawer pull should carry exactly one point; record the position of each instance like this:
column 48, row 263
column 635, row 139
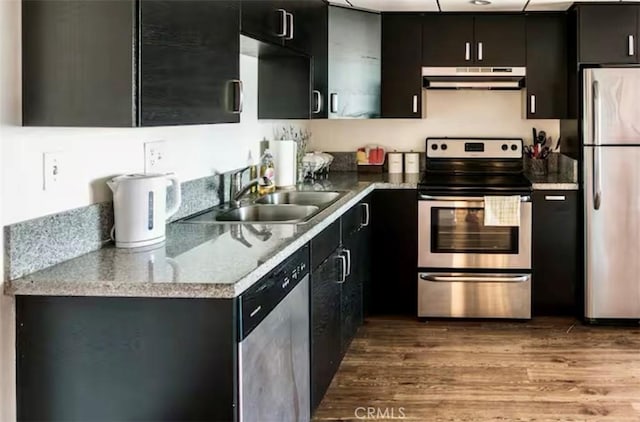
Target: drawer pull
column 255, row 311
column 555, row 198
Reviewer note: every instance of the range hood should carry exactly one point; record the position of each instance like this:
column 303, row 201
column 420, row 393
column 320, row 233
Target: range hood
column 473, row 77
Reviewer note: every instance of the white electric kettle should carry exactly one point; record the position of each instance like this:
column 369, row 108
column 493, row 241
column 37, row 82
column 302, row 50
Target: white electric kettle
column 139, row 204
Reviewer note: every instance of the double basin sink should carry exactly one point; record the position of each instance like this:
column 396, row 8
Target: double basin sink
column 278, row 207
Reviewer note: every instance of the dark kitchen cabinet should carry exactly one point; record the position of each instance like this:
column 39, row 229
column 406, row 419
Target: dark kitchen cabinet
column 284, row 82
column 393, row 287
column 320, row 55
column 500, row 40
column 546, row 66
column 356, row 228
column 447, row 40
column 555, row 253
column 608, row 33
column 326, row 338
column 128, row 63
column 401, row 92
column 292, row 23
column 265, row 20
column 117, row 359
column 462, row 40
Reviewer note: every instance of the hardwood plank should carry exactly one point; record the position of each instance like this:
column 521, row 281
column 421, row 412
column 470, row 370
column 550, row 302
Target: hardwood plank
column 547, row 369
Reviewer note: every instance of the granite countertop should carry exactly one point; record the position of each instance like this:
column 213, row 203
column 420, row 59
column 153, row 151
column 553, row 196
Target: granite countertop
column 212, row 260
column 199, row 259
column 553, row 181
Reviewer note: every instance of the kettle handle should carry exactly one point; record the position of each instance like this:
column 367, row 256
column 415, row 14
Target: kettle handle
column 177, row 195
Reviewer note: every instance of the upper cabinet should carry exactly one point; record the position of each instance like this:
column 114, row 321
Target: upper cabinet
column 354, row 63
column 546, row 66
column 464, row 40
column 447, row 40
column 290, row 23
column 130, row 63
column 608, row 34
column 401, row 66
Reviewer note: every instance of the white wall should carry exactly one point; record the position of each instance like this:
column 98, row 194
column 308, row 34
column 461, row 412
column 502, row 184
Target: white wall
column 448, row 113
column 9, row 115
column 90, row 156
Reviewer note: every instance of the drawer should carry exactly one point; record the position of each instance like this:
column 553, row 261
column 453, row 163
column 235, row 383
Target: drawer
column 323, row 244
column 479, row 295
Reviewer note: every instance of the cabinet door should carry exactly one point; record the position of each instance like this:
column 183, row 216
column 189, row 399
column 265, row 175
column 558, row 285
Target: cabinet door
column 77, row 63
column 604, row 31
column 395, row 258
column 189, row 57
column 264, row 20
column 447, row 40
column 354, row 64
column 325, row 325
column 351, row 297
column 555, row 253
column 311, row 37
column 401, row 66
column 546, row 66
column 500, row 40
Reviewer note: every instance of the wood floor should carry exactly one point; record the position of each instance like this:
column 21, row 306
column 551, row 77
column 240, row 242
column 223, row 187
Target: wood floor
column 543, row 370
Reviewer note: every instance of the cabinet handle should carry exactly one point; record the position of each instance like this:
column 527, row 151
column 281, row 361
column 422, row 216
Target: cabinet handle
column 467, row 51
column 334, row 103
column 533, row 104
column 318, row 99
column 283, row 16
column 344, row 268
column 255, row 311
column 290, row 19
column 238, row 96
column 348, row 252
column 632, row 47
column 367, row 215
column 480, row 51
column 415, row 103
column 555, row 198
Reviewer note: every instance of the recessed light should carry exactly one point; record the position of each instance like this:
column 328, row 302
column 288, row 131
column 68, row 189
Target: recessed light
column 480, row 2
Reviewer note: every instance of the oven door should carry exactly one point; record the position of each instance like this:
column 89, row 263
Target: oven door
column 452, row 235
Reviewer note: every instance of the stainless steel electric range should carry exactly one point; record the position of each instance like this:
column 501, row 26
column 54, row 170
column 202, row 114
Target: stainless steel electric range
column 466, row 268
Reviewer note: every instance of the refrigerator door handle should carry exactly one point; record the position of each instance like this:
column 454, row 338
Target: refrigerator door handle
column 597, row 193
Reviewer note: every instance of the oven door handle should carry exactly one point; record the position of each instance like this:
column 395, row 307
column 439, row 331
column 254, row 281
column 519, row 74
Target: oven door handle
column 476, row 278
column 523, row 198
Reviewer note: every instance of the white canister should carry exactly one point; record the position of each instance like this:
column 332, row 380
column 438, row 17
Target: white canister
column 395, row 162
column 411, row 162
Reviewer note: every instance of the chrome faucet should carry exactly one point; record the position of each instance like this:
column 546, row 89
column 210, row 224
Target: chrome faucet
column 237, row 190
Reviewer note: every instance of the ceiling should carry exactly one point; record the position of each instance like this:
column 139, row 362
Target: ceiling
column 457, row 5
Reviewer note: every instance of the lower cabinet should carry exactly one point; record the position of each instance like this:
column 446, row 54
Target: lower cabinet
column 394, row 289
column 326, row 339
column 337, row 295
column 555, row 253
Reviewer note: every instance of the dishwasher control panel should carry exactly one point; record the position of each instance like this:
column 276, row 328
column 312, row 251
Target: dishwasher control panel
column 261, row 298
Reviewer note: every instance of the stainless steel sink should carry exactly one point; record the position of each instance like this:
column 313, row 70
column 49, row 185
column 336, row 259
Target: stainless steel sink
column 259, row 214
column 300, row 198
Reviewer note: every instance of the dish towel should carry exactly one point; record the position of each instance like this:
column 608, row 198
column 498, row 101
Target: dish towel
column 502, row 210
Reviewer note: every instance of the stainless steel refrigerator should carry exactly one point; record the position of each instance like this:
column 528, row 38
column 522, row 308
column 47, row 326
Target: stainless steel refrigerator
column 611, row 142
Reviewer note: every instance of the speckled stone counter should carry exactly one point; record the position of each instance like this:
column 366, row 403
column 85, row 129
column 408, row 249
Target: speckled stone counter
column 199, row 259
column 556, row 181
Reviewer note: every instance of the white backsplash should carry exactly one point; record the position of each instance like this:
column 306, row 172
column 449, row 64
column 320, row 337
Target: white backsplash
column 462, row 113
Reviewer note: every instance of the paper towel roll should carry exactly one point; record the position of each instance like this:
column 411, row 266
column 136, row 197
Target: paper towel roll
column 395, row 162
column 411, row 162
column 285, row 161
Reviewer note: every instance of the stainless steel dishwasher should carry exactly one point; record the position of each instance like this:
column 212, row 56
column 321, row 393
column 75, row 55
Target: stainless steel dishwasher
column 273, row 354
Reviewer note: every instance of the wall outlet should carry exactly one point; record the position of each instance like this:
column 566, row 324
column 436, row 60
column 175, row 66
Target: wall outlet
column 155, row 157
column 52, row 170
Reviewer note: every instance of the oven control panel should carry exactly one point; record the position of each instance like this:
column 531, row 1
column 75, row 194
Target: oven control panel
column 474, row 148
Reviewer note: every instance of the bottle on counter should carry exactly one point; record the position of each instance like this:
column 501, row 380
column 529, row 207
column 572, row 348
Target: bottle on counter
column 267, row 174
